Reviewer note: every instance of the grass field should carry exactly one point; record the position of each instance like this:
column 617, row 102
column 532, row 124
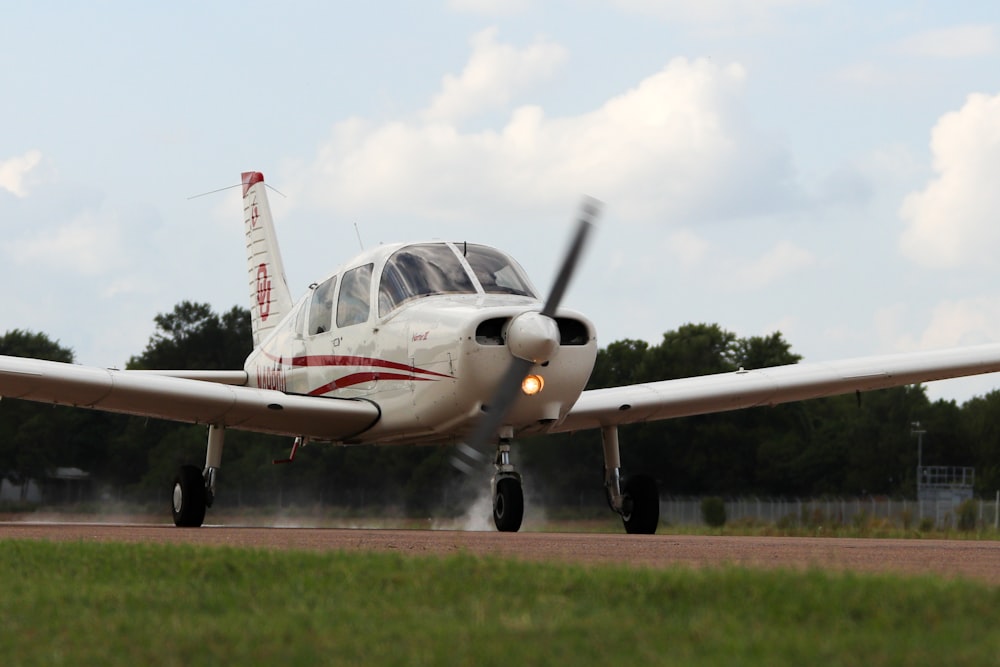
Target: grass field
column 116, row 604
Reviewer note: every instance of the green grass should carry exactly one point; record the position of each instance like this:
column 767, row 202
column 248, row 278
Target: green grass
column 100, row 603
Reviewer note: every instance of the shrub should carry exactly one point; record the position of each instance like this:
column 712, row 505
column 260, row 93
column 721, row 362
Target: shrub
column 713, row 511
column 966, row 514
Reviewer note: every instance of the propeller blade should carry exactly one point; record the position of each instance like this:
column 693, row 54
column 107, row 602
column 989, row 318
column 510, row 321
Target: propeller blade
column 475, row 454
column 589, row 210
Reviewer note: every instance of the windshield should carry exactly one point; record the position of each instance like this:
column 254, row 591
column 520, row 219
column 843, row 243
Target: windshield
column 434, row 268
column 496, row 272
column 421, row 270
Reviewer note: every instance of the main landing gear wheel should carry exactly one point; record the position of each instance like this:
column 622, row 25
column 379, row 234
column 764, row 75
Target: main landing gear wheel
column 642, row 505
column 508, row 505
column 189, row 497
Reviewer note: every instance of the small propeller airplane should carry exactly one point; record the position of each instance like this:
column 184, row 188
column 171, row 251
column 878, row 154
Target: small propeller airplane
column 437, row 342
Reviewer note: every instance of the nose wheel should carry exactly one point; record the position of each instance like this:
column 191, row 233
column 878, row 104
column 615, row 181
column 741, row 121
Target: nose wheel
column 508, row 498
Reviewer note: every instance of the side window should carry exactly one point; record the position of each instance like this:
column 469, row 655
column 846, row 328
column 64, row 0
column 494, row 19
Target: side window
column 300, row 316
column 355, row 292
column 321, row 308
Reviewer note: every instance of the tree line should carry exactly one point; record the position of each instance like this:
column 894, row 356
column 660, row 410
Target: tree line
column 846, row 445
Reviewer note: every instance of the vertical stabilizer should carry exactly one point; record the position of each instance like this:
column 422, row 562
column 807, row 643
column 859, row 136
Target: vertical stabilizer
column 270, row 299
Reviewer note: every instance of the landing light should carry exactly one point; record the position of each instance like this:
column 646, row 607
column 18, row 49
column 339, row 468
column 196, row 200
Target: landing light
column 532, row 384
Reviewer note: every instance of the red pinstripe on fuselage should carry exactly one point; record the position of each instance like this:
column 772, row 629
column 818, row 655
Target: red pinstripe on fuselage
column 388, row 370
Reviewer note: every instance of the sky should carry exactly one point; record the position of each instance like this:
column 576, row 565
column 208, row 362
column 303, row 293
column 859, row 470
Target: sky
column 829, row 170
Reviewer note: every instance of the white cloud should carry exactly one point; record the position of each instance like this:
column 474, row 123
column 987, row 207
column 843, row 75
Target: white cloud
column 490, row 7
column 494, row 74
column 782, row 260
column 128, row 285
column 969, row 321
column 955, row 219
column 964, row 41
column 712, row 11
column 687, row 248
column 784, row 325
column 889, row 321
column 862, row 74
column 15, row 171
column 953, row 323
column 88, row 245
column 892, row 165
column 666, row 148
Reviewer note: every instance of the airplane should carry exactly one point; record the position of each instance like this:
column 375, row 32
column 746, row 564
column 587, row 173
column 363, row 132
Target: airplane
column 437, row 342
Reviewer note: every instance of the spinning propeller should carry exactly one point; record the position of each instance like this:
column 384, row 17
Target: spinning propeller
column 532, row 338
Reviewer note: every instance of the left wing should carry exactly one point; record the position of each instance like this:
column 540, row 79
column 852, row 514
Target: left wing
column 770, row 386
column 165, row 396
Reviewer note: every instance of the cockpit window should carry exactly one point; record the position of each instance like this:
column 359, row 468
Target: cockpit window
column 496, row 272
column 354, row 302
column 421, row 270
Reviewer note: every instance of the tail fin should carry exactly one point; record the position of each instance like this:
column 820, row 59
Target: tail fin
column 270, row 299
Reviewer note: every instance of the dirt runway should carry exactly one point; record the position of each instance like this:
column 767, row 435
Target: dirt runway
column 950, row 558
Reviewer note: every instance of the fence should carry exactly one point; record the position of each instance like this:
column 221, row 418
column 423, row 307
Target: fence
column 834, row 511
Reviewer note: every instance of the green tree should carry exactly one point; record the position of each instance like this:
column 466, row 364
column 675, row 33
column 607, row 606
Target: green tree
column 764, row 352
column 618, row 364
column 35, row 438
column 715, row 453
column 192, row 336
column 844, row 444
column 980, row 418
column 691, row 350
column 19, row 343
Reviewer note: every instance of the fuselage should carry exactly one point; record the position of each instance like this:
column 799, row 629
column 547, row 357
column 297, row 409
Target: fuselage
column 421, row 330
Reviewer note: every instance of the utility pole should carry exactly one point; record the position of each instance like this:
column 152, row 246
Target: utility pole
column 917, row 430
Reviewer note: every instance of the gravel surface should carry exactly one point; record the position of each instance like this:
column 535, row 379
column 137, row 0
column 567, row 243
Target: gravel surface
column 978, row 560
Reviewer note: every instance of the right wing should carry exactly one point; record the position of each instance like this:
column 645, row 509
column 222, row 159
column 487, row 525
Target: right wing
column 721, row 392
column 159, row 395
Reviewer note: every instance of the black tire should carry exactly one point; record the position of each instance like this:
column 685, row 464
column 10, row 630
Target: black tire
column 189, row 498
column 508, row 505
column 642, row 503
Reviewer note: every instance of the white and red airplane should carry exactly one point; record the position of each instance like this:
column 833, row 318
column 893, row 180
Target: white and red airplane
column 436, row 343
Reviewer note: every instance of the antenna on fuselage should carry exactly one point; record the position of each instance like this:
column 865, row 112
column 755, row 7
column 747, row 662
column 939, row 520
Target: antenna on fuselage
column 358, row 233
